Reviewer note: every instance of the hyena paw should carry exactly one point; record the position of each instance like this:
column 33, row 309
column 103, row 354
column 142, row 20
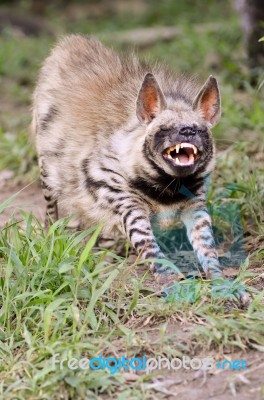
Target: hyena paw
column 165, row 268
column 242, row 298
column 166, row 274
column 166, row 279
column 245, row 300
column 233, row 291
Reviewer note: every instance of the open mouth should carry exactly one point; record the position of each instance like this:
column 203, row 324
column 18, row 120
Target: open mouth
column 182, row 154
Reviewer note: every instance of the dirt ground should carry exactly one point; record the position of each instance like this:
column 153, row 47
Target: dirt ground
column 29, row 199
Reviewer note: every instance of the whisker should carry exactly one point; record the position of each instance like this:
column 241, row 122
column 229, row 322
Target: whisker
column 167, row 186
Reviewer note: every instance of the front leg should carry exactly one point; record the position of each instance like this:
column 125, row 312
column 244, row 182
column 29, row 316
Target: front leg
column 199, row 232
column 137, row 227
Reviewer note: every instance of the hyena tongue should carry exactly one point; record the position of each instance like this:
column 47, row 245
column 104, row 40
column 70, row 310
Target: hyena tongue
column 183, row 158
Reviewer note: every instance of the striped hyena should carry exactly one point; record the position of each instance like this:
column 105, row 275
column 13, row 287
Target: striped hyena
column 117, row 138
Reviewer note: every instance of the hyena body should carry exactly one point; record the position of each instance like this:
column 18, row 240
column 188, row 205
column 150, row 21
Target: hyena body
column 118, row 140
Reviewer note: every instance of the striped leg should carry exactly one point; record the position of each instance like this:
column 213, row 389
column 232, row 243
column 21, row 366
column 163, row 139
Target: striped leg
column 51, row 203
column 199, row 231
column 136, row 224
column 200, row 235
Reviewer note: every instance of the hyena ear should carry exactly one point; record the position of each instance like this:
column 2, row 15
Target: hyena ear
column 208, row 101
column 150, row 101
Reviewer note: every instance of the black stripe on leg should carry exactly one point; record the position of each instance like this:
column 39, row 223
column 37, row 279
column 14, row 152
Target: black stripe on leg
column 136, row 219
column 201, row 225
column 125, row 217
column 149, row 254
column 136, row 230
column 51, row 206
column 47, row 198
column 43, row 173
column 142, row 243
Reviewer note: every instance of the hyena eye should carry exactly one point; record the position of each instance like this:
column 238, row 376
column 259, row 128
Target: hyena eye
column 164, row 128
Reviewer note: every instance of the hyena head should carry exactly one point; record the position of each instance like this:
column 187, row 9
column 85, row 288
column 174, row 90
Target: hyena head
column 178, row 138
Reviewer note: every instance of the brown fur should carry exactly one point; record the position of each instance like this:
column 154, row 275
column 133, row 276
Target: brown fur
column 102, row 123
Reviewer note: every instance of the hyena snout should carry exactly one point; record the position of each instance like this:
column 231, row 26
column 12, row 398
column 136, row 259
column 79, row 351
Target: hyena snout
column 187, row 131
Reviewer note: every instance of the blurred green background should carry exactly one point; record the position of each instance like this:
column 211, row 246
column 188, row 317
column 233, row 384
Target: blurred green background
column 196, row 37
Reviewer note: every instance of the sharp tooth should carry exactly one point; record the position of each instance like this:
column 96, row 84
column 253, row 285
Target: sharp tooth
column 177, row 161
column 191, row 157
column 177, row 147
column 169, row 156
column 195, row 150
column 185, row 145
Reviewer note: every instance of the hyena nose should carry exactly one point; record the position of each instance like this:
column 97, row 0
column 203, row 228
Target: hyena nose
column 187, row 131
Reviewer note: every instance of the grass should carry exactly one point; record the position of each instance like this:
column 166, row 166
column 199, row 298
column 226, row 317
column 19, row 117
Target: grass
column 61, row 294
column 18, row 154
